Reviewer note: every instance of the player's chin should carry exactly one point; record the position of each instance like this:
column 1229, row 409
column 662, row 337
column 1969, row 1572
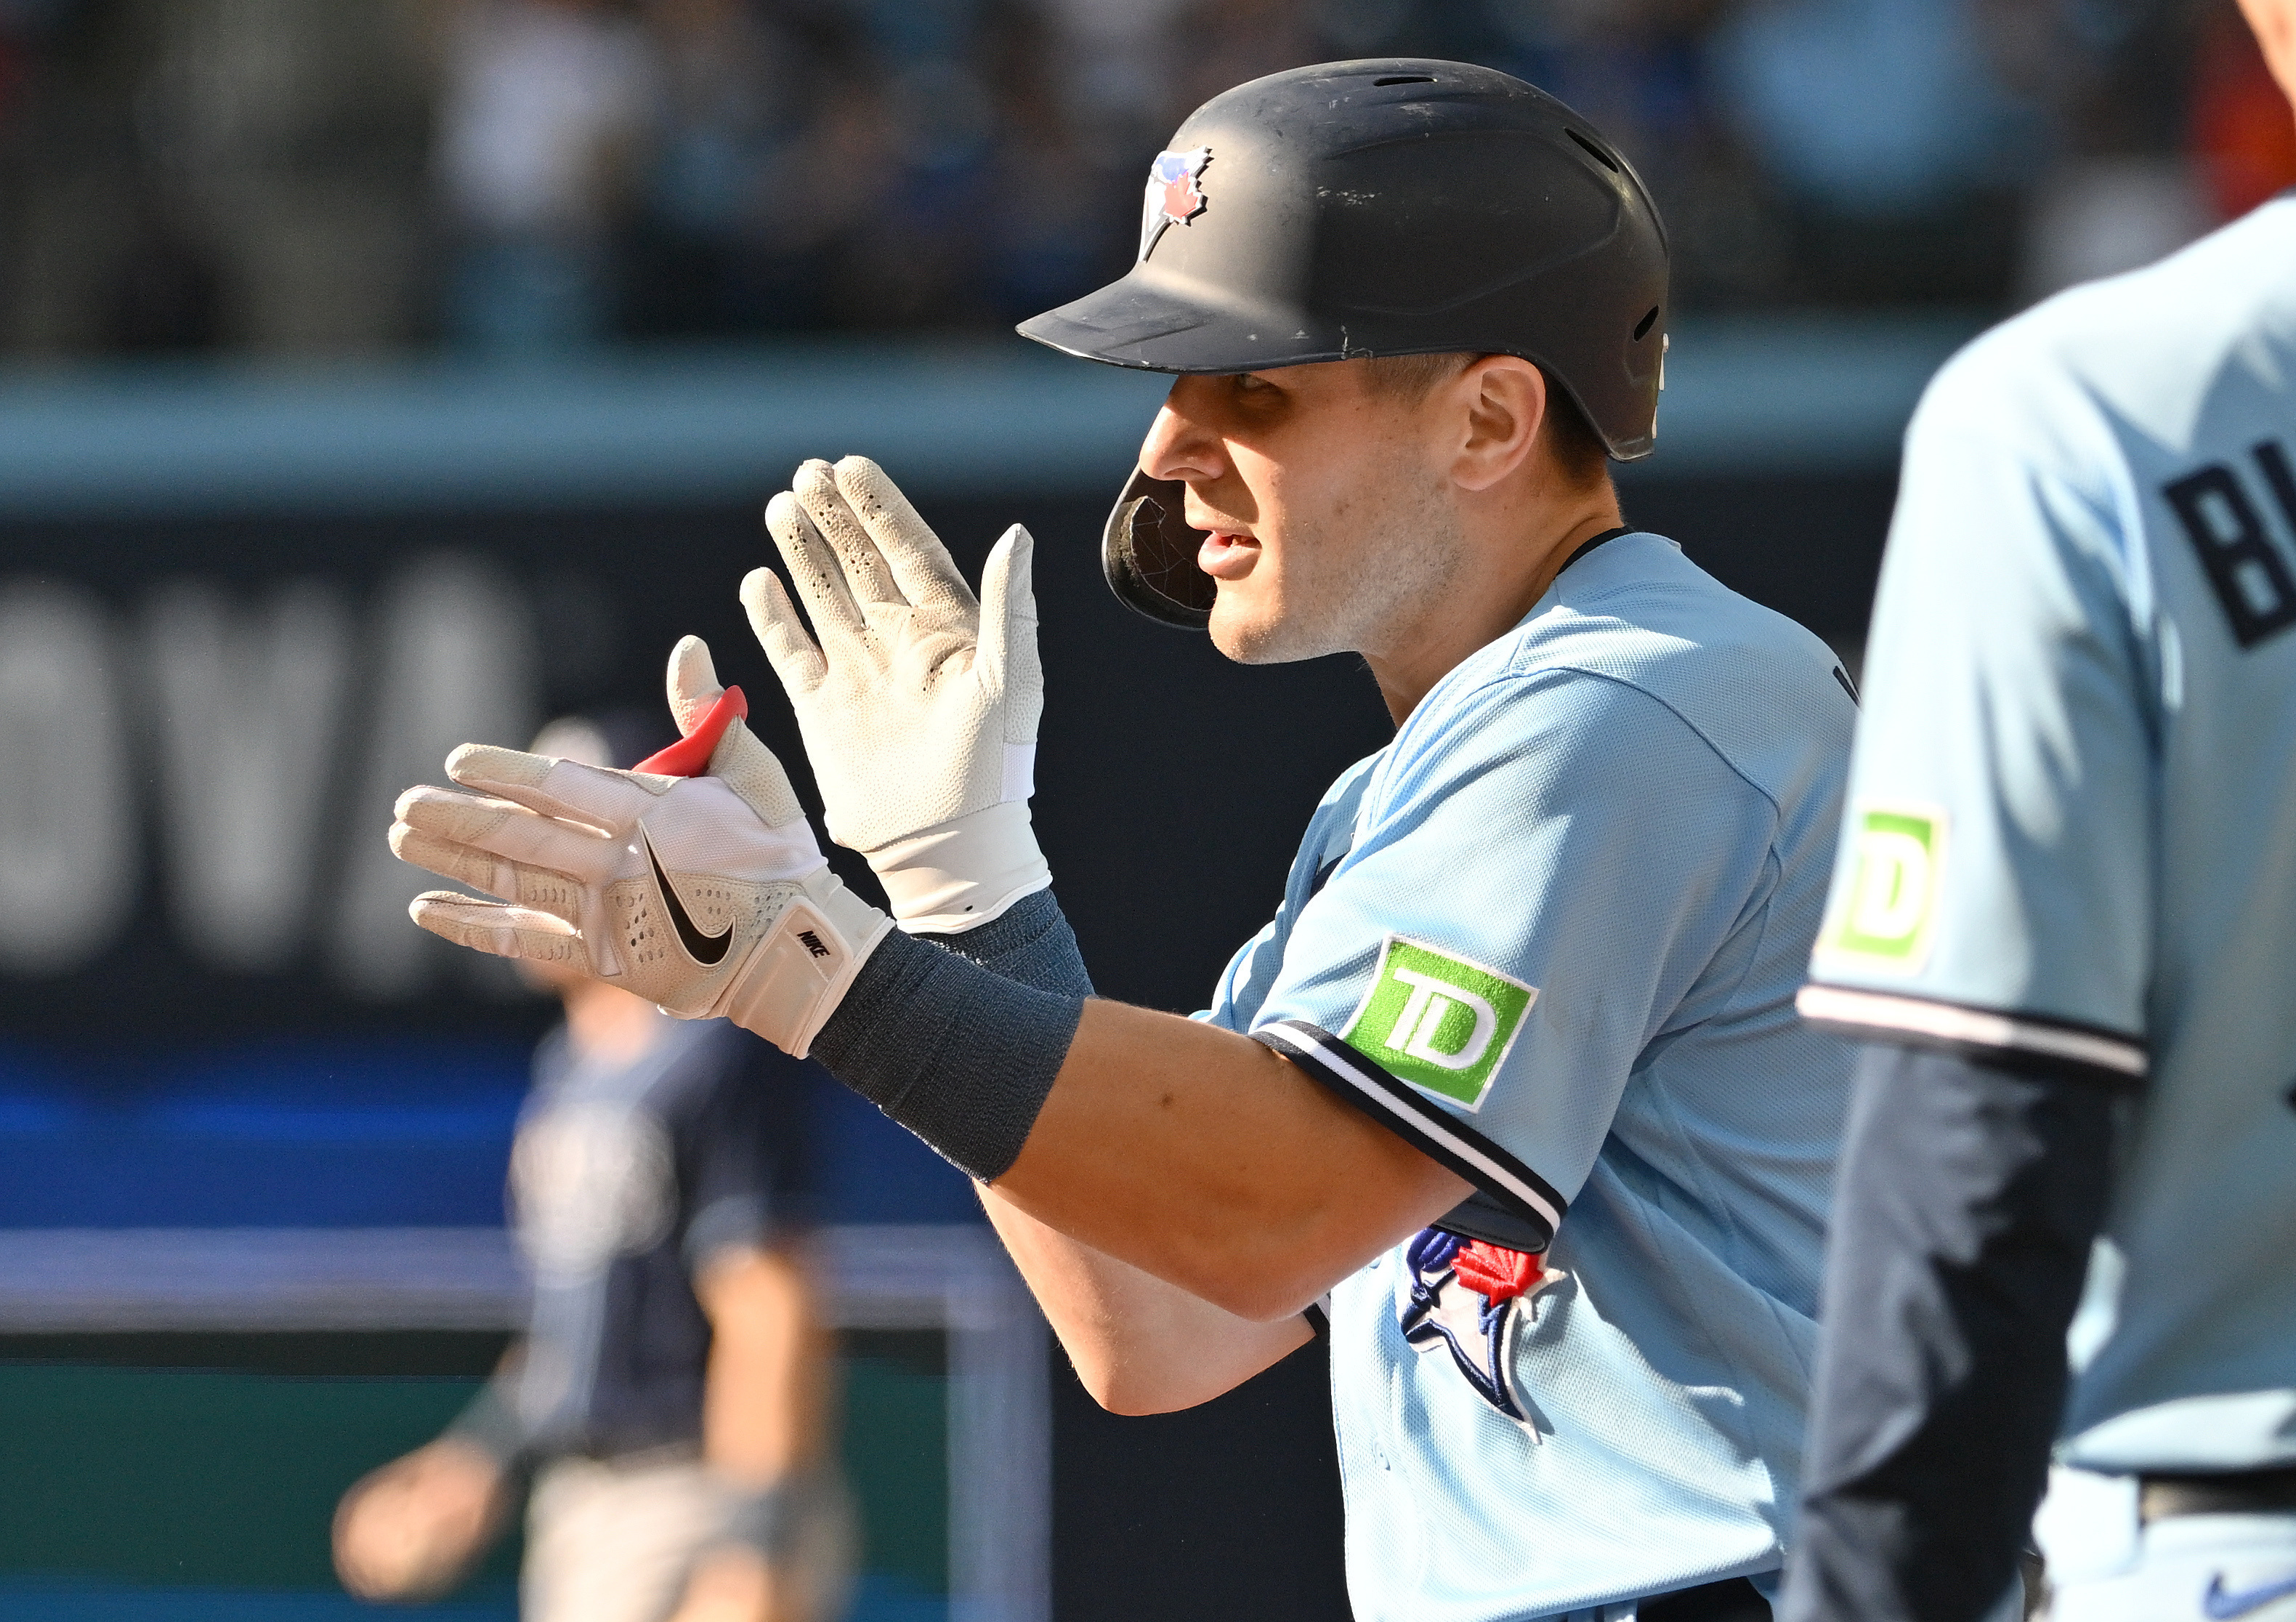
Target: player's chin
column 1234, row 628
column 1251, row 629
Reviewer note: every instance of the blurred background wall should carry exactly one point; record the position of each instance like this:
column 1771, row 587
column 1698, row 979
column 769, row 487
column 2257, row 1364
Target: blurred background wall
column 379, row 374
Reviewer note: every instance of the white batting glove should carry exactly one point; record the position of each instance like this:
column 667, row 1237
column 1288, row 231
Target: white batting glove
column 707, row 895
column 919, row 707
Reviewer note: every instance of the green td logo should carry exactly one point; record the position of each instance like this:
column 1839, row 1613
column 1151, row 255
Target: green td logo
column 1438, row 1021
column 1885, row 910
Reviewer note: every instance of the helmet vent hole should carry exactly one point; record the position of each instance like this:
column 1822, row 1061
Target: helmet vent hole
column 1642, row 327
column 1405, row 79
column 1594, row 152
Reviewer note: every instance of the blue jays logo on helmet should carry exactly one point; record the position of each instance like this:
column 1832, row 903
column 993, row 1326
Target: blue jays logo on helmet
column 1173, row 196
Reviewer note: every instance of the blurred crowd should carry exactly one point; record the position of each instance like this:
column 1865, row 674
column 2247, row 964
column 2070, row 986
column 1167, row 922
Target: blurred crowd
column 535, row 175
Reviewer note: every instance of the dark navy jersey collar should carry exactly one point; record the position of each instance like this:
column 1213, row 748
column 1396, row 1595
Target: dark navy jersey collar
column 1587, row 546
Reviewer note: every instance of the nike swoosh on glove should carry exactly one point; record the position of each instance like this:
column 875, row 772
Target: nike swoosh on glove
column 918, row 705
column 707, row 895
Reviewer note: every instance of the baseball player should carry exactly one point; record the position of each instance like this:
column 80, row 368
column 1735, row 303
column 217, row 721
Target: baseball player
column 2063, row 918
column 1510, row 1095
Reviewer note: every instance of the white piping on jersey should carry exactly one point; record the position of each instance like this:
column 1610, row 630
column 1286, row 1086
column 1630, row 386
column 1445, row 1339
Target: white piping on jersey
column 1949, row 1023
column 1477, row 1162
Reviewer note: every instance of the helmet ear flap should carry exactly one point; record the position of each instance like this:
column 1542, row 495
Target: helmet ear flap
column 1148, row 556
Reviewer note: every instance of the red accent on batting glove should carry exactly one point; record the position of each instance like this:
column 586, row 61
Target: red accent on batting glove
column 689, row 756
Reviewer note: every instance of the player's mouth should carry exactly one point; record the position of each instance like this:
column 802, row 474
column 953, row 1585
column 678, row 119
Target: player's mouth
column 1228, row 555
column 1229, row 548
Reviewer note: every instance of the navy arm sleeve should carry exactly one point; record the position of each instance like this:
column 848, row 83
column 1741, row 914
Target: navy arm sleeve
column 959, row 1038
column 1031, row 942
column 1971, row 1188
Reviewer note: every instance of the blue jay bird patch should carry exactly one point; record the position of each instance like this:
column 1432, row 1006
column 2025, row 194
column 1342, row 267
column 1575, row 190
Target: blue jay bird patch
column 1464, row 1296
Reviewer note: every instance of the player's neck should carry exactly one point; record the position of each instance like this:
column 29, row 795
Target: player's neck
column 1504, row 579
column 606, row 1023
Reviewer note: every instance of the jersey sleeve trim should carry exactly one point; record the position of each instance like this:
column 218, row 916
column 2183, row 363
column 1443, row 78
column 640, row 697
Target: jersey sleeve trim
column 1425, row 1125
column 1958, row 1025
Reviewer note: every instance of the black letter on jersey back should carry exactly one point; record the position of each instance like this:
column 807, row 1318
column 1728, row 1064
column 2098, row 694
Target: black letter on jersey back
column 2251, row 581
column 2274, row 461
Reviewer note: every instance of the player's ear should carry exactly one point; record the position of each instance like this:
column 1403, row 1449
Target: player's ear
column 1504, row 398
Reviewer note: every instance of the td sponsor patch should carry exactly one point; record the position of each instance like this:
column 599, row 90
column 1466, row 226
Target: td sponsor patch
column 1438, row 1021
column 1885, row 911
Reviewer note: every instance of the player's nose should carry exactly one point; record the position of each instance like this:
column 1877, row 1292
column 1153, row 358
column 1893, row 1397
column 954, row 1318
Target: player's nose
column 1177, row 447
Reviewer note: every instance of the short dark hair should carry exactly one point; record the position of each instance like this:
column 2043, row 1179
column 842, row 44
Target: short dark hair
column 1577, row 448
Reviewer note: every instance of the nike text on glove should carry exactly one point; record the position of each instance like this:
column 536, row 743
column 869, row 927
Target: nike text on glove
column 918, row 705
column 707, row 895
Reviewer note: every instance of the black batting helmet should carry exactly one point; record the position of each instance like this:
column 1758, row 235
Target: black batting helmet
column 1360, row 209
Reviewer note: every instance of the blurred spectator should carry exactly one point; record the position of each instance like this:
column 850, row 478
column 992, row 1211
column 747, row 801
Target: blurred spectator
column 194, row 172
column 2148, row 170
column 1640, row 69
column 19, row 21
column 1632, row 66
column 1112, row 61
column 2241, row 132
column 670, row 1397
column 543, row 105
column 2101, row 215
column 1063, row 221
column 915, row 257
column 723, row 239
column 249, row 173
column 1891, row 132
column 1866, row 107
column 2169, row 125
column 1218, row 44
column 25, row 26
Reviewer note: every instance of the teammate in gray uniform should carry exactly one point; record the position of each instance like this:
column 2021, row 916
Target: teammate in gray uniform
column 669, row 1398
column 2064, row 916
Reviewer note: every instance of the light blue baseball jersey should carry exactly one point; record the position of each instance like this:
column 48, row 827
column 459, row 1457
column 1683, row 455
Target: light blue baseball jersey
column 1551, row 934
column 2072, row 829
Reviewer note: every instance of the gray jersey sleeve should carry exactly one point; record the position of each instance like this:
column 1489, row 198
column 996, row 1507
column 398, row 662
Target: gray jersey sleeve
column 1994, row 886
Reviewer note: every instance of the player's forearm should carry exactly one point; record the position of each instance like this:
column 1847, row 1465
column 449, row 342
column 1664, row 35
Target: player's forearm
column 767, row 1388
column 1203, row 1158
column 1195, row 1154
column 1969, row 1195
column 1138, row 1344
